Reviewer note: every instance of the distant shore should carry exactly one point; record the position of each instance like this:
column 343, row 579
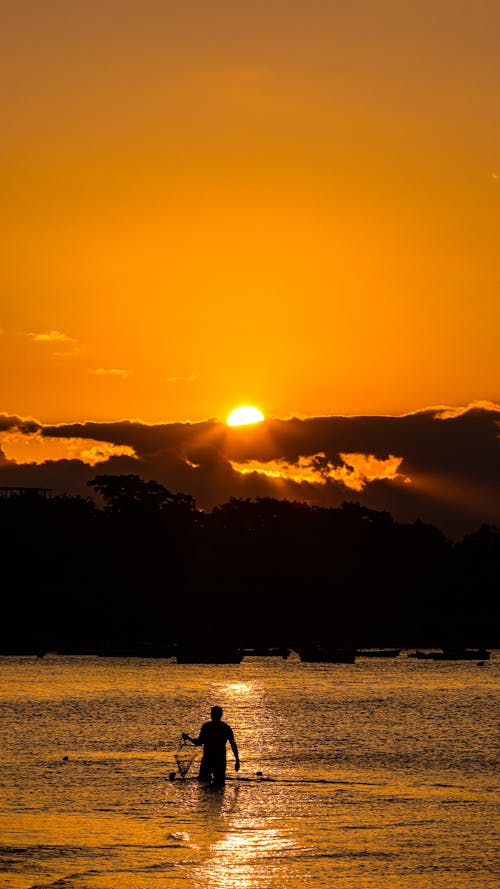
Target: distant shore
column 306, row 653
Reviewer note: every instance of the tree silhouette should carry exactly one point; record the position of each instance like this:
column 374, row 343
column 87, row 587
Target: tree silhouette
column 128, row 494
column 147, row 567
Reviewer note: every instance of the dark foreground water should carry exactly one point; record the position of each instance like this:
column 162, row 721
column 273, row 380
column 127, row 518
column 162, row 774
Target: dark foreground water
column 384, row 775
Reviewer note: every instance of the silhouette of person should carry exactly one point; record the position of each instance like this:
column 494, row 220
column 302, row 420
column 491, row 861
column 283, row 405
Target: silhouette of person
column 213, row 737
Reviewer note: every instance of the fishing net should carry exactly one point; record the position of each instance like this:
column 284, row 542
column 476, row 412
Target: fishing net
column 184, row 757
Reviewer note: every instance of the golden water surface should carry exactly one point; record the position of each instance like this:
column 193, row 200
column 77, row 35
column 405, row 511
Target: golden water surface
column 375, row 775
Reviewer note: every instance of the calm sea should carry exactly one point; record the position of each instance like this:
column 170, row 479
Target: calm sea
column 384, row 775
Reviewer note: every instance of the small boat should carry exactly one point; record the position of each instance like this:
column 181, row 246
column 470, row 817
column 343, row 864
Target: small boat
column 378, row 652
column 463, row 654
column 325, row 654
column 423, row 655
column 266, row 651
column 453, row 654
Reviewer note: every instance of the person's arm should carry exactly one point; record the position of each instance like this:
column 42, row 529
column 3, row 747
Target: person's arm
column 234, row 748
column 196, row 741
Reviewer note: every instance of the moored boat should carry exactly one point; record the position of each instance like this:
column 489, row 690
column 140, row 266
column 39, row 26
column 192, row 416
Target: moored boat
column 266, row 651
column 378, row 652
column 453, row 654
column 324, row 654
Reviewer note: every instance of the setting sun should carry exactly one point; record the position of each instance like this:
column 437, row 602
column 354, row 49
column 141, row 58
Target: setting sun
column 243, row 416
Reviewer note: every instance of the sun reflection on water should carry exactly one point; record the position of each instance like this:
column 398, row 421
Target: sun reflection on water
column 243, row 857
column 240, row 688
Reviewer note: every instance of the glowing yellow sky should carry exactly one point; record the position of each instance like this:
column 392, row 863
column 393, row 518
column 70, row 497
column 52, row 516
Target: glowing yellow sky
column 287, row 204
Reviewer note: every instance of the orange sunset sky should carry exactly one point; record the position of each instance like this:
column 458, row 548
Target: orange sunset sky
column 288, row 204
column 292, row 205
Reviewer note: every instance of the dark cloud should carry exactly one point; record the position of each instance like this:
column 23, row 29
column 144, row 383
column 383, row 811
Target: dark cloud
column 3, row 459
column 145, row 437
column 449, row 472
column 63, row 476
column 10, row 423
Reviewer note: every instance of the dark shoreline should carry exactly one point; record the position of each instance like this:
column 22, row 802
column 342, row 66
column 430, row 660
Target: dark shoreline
column 308, row 654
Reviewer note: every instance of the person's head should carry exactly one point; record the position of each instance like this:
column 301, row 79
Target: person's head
column 216, row 713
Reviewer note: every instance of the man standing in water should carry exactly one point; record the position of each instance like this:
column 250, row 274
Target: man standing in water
column 213, row 736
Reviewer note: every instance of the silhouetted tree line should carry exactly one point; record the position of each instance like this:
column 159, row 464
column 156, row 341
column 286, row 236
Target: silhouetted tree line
column 146, row 567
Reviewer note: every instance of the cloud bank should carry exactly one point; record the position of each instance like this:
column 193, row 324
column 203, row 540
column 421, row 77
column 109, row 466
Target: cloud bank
column 440, row 465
